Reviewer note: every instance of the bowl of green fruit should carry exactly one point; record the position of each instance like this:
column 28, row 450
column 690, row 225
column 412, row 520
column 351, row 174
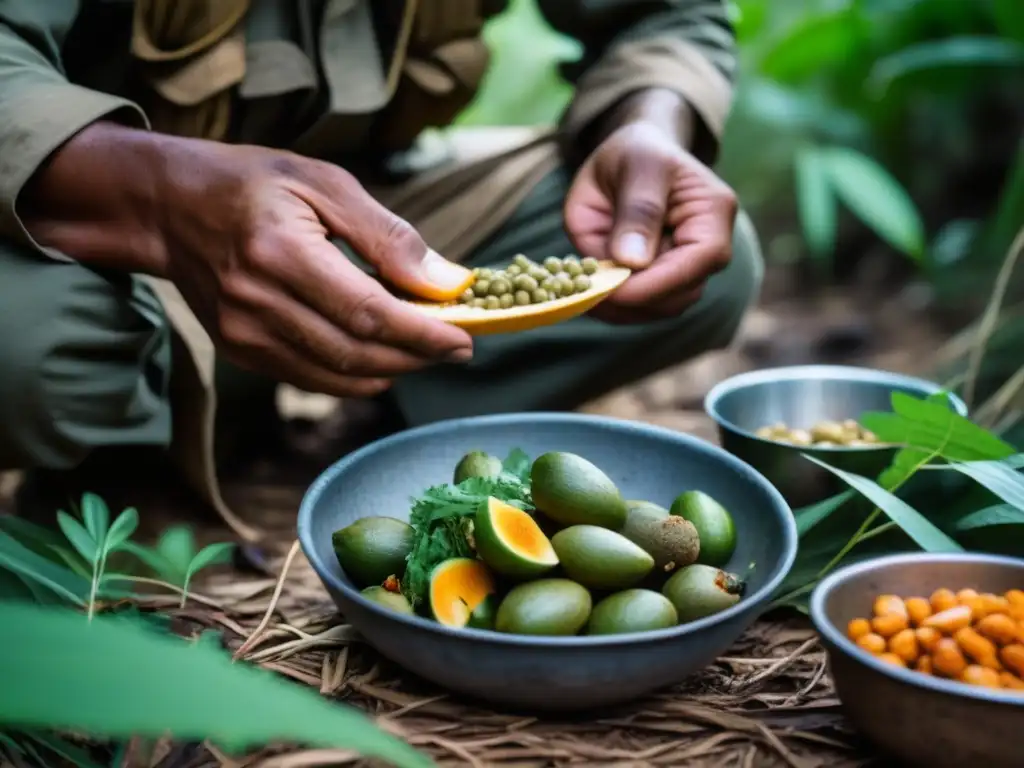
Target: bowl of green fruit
column 547, row 562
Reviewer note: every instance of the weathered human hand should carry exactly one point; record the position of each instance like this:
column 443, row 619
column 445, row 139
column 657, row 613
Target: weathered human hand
column 245, row 235
column 642, row 200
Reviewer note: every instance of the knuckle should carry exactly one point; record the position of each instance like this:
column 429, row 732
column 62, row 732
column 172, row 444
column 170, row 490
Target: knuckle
column 262, row 252
column 233, row 327
column 644, row 211
column 400, row 237
column 366, row 317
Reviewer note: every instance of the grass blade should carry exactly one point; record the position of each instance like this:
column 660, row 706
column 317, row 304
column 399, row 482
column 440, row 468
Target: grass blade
column 160, row 684
column 910, row 521
column 1000, row 479
column 27, row 564
column 808, row 517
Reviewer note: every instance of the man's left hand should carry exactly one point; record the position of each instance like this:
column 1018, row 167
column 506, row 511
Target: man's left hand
column 645, row 202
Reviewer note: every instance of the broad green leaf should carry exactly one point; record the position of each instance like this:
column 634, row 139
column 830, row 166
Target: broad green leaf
column 95, row 515
column 952, row 53
column 934, row 427
column 118, row 680
column 177, row 546
column 27, row 564
column 813, row 44
column 124, row 526
column 517, row 463
column 877, row 199
column 14, row 587
column 35, row 537
column 910, row 521
column 1002, row 480
column 1009, row 16
column 808, row 517
column 211, row 554
column 998, row 514
column 815, row 202
column 79, row 537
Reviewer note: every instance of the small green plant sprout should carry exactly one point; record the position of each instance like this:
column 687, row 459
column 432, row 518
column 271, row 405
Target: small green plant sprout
column 94, row 537
column 175, row 560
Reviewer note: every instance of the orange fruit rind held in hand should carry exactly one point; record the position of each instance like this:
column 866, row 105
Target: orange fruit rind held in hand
column 443, row 280
column 527, row 294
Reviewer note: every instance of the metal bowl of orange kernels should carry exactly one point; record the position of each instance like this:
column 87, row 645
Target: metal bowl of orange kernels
column 918, row 714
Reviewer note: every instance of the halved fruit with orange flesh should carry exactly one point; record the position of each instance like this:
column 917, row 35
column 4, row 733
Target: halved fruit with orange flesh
column 457, row 588
column 510, row 541
column 482, row 322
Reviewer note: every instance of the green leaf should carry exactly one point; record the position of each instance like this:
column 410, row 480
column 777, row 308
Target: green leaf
column 209, row 555
column 815, row 202
column 27, row 564
column 159, row 684
column 155, row 561
column 96, row 516
column 952, row 53
column 999, row 478
column 518, row 464
column 997, row 514
column 808, row 517
column 871, row 192
column 910, row 521
column 1009, row 16
column 818, row 41
column 72, row 561
column 177, row 546
column 934, row 427
column 124, row 526
column 79, row 537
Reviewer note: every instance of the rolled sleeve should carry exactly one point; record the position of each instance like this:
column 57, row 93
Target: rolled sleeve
column 687, row 46
column 39, row 108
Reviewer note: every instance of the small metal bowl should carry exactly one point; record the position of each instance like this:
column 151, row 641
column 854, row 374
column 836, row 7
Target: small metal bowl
column 800, row 396
column 550, row 673
column 921, row 719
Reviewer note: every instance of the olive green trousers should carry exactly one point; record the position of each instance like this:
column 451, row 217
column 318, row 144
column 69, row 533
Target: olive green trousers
column 85, row 357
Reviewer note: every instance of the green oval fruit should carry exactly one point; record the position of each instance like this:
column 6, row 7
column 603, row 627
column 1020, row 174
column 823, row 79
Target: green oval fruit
column 600, row 559
column 701, row 590
column 672, row 541
column 510, row 541
column 572, row 491
column 633, row 610
column 476, row 464
column 373, row 548
column 544, row 607
column 392, row 600
column 484, row 614
column 714, row 525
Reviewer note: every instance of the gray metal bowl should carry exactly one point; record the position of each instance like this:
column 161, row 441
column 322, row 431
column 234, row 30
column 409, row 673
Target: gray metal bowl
column 800, row 396
column 920, row 719
column 550, row 673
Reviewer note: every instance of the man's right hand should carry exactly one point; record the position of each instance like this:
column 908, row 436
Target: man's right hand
column 243, row 233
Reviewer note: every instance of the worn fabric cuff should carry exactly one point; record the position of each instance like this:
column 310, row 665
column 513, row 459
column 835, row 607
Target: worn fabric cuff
column 37, row 120
column 660, row 62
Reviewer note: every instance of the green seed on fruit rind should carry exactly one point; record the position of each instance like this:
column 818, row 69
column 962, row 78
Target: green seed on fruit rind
column 482, row 287
column 507, row 301
column 540, row 296
column 526, row 283
column 492, row 302
column 522, row 298
column 581, row 283
column 589, row 265
column 500, row 286
column 552, row 264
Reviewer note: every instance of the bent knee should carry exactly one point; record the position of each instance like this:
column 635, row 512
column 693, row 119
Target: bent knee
column 731, row 293
column 84, row 362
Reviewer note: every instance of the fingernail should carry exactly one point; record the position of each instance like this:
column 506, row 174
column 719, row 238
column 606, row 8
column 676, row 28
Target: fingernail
column 632, row 249
column 463, row 355
column 441, row 272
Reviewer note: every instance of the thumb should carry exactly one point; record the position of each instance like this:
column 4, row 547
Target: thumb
column 639, row 218
column 392, row 245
